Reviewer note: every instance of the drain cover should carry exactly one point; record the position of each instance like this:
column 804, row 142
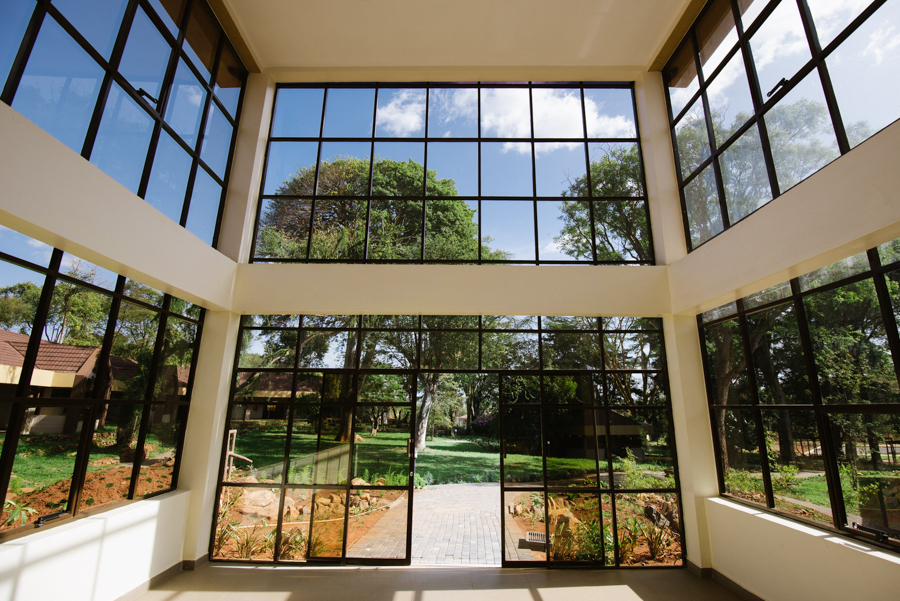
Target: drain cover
column 536, row 537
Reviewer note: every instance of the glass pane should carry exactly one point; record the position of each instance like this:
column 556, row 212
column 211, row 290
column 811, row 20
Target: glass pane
column 122, row 140
column 505, row 113
column 521, row 447
column 377, row 525
column 452, row 169
column 390, row 350
column 863, row 71
column 204, row 209
column 344, row 169
column 681, row 78
column 641, row 446
column 557, row 113
column 326, row 536
column 202, row 38
column 524, row 512
column 295, row 525
column 838, row 270
column 451, row 230
column 14, row 18
column 622, row 231
column 744, row 176
column 609, row 113
column 570, row 350
column 510, row 322
column 112, row 455
column 331, row 462
column 339, row 229
column 77, row 318
column 716, row 35
column 283, row 229
column 739, row 453
column 577, row 531
column 395, row 230
column 509, row 350
column 265, row 388
column 132, row 351
column 298, row 112
column 769, row 295
column 831, row 18
column 750, row 9
column 168, row 177
column 636, row 389
column 391, row 321
column 291, row 168
column 576, row 389
column 728, row 364
column 648, row 530
column 349, row 113
column 729, row 99
column 19, row 297
column 229, row 81
column 138, row 291
column 869, row 472
column 383, row 390
column 453, row 113
column 559, row 236
column 329, row 349
column 98, row 22
column 43, row 465
column 850, row 346
column 800, row 133
column 778, row 356
column 245, row 526
column 693, row 139
column 571, row 447
column 779, row 47
column 634, row 350
column 702, row 202
column 59, row 87
column 719, row 312
column 216, row 141
column 87, row 272
column 559, row 169
column 449, row 350
column 184, row 108
column 796, row 465
column 23, row 247
column 399, row 169
column 521, row 389
column 146, row 57
column 615, row 172
column 379, row 459
column 506, row 169
column 171, row 12
column 175, row 358
column 630, row 323
column 400, row 113
column 889, row 251
column 507, row 229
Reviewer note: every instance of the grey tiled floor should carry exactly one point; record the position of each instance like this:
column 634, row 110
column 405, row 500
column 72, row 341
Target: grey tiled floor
column 449, row 583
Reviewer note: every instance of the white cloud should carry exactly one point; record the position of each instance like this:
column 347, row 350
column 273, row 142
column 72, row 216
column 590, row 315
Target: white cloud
column 830, row 16
column 882, row 41
column 448, row 105
column 36, row 243
column 404, row 115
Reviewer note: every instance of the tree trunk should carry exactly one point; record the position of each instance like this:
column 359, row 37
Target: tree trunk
column 429, row 389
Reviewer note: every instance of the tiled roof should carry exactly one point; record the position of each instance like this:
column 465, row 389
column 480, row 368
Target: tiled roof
column 51, row 356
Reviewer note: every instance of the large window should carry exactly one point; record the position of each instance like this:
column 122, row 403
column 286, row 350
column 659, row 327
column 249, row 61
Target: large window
column 96, row 373
column 147, row 90
column 803, row 390
column 762, row 94
column 334, row 420
column 465, row 173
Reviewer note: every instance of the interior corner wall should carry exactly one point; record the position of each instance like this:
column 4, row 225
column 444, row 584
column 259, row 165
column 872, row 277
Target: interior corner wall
column 102, row 557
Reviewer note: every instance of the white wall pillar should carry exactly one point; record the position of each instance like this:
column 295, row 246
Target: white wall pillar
column 205, row 429
column 693, row 436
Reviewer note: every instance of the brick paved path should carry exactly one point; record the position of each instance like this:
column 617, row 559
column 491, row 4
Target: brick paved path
column 452, row 524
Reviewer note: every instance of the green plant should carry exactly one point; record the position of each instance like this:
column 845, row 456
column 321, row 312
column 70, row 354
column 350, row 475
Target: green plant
column 590, row 538
column 316, row 544
column 17, row 512
column 225, row 528
column 657, row 539
column 785, row 477
column 292, row 543
column 628, row 539
column 562, row 544
column 247, row 542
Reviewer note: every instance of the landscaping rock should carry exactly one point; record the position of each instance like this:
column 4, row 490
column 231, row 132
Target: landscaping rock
column 358, row 438
column 566, row 522
column 380, row 482
column 653, row 514
column 359, row 482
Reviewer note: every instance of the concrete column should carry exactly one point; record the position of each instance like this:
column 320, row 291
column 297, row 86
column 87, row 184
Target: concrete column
column 693, row 435
column 205, row 428
column 236, row 232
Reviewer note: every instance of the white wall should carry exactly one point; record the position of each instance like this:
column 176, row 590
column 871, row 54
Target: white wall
column 778, row 559
column 97, row 558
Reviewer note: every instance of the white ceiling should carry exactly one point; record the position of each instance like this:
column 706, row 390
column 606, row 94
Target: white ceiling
column 290, row 34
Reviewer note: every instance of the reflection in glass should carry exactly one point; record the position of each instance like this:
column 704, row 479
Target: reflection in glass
column 171, row 13
column 800, row 133
column 380, row 451
column 98, row 24
column 681, row 78
column 769, row 295
column 120, row 149
column 59, row 87
column 132, row 351
column 693, row 139
column 283, row 229
column 146, row 57
column 168, row 177
column 400, row 113
column 331, row 462
column 702, row 202
column 202, row 38
column 298, row 112
column 185, row 105
column 557, row 113
column 744, row 176
column 174, row 371
column 521, row 448
column 349, row 113
column 204, row 208
column 640, row 446
column 216, row 141
column 863, row 70
column 723, row 311
column 453, row 113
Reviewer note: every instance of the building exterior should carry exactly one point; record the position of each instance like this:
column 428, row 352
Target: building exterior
column 847, row 207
